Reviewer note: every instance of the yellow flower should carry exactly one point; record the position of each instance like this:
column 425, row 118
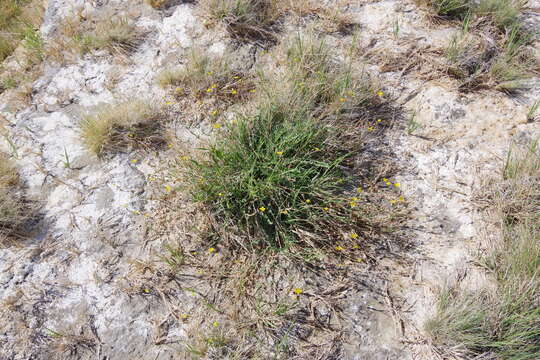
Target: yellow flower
column 397, row 184
column 184, row 316
column 216, row 126
column 169, row 146
column 401, row 198
column 179, row 90
column 354, row 235
column 279, row 153
column 184, row 158
column 168, row 188
column 134, row 161
column 212, row 250
column 236, row 77
column 353, row 204
column 316, row 149
column 393, row 202
column 388, row 183
column 297, row 291
column 355, row 246
column 215, row 324
column 215, row 112
column 252, row 90
column 146, row 290
column 284, row 212
column 220, row 194
column 371, row 128
column 234, row 92
column 210, row 73
column 350, row 93
column 338, row 248
column 342, row 100
column 354, row 199
column 308, row 201
column 359, row 190
column 262, row 209
column 209, row 90
column 385, row 179
column 168, row 103
column 326, row 209
column 380, row 93
column 379, row 120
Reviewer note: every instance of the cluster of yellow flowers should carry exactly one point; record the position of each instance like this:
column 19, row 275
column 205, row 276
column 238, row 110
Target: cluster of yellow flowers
column 389, row 183
column 211, row 88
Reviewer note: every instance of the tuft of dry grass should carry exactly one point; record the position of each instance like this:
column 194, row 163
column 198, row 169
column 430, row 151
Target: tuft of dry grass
column 118, row 35
column 163, row 4
column 252, row 20
column 119, row 127
column 12, row 209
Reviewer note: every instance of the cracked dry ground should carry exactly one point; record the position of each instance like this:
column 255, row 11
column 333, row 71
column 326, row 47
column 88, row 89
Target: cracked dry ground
column 88, row 280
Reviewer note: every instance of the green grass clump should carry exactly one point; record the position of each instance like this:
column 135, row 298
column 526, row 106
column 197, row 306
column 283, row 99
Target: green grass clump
column 120, row 126
column 274, row 171
column 504, row 323
column 280, row 170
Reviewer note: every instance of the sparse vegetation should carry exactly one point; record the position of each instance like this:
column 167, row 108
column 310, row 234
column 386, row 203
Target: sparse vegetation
column 206, row 75
column 499, row 58
column 481, row 62
column 120, row 126
column 18, row 21
column 502, row 322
